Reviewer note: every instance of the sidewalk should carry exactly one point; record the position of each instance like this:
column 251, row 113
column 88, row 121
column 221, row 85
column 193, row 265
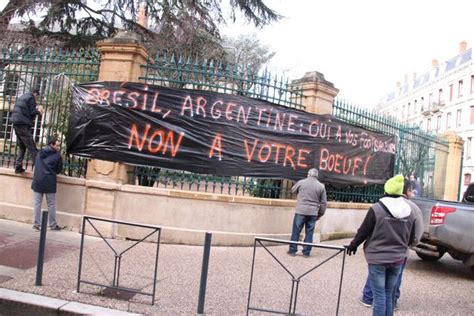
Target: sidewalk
column 228, row 283
column 18, row 254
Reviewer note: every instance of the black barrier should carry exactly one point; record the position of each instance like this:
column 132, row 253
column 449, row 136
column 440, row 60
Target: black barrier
column 42, row 246
column 118, row 256
column 295, row 280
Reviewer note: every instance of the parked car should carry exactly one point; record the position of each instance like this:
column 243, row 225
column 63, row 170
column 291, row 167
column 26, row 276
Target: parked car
column 448, row 227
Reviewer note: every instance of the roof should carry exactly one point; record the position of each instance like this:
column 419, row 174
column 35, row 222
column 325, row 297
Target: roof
column 431, row 75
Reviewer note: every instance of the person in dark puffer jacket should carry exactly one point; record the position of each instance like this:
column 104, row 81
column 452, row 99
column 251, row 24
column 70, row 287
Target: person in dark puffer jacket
column 388, row 228
column 47, row 165
column 22, row 117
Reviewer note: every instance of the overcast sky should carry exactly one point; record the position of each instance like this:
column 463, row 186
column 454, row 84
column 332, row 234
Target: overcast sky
column 364, row 47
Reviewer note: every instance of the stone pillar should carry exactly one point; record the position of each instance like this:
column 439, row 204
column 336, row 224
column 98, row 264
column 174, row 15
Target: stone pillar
column 438, row 177
column 318, row 93
column 318, row 97
column 453, row 166
column 122, row 57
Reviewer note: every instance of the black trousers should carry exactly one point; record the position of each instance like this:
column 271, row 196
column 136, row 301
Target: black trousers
column 25, row 141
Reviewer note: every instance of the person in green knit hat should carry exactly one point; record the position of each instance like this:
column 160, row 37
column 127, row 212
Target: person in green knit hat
column 387, row 230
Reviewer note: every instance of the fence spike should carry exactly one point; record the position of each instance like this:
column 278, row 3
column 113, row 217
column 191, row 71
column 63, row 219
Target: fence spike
column 236, row 71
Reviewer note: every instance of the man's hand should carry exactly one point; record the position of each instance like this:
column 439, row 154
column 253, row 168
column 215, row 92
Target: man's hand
column 40, row 108
column 351, row 250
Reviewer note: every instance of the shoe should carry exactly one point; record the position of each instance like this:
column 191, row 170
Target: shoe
column 37, row 227
column 291, row 253
column 19, row 170
column 57, row 227
column 361, row 300
column 397, row 305
column 306, row 255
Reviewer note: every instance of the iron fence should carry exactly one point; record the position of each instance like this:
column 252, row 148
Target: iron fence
column 184, row 72
column 184, row 180
column 417, row 151
column 53, row 72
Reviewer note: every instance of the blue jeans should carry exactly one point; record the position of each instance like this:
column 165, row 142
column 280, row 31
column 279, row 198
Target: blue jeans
column 383, row 279
column 367, row 295
column 308, row 221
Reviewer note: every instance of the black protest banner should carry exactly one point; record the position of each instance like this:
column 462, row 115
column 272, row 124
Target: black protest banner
column 214, row 133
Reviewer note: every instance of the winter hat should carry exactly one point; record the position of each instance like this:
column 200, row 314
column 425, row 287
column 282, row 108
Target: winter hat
column 394, row 186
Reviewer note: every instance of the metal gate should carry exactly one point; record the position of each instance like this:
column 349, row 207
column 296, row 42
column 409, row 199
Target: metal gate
column 52, row 71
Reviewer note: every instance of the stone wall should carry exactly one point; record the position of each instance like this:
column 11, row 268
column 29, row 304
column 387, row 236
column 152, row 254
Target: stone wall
column 184, row 215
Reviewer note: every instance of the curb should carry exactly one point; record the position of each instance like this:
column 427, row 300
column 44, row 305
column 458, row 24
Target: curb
column 20, row 303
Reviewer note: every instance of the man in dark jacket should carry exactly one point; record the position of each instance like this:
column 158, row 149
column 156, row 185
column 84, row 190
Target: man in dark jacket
column 310, row 206
column 388, row 228
column 23, row 116
column 48, row 163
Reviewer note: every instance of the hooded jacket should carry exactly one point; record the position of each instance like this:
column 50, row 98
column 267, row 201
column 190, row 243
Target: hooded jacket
column 388, row 229
column 48, row 163
column 25, row 110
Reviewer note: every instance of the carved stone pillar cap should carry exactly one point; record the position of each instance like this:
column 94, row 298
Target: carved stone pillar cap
column 124, row 42
column 452, row 137
column 123, row 37
column 313, row 76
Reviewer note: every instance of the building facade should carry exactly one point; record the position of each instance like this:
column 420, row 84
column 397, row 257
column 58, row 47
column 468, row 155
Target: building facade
column 439, row 100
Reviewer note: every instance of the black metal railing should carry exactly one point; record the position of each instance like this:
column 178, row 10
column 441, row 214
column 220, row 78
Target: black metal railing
column 294, row 279
column 118, row 255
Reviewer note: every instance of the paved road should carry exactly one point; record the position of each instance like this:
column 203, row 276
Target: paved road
column 441, row 288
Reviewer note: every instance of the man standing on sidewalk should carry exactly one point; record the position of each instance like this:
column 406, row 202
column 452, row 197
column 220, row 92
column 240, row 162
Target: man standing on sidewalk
column 367, row 296
column 48, row 163
column 310, row 206
column 23, row 116
column 387, row 230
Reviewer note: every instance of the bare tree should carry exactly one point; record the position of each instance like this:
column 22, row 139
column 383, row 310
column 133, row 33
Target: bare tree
column 247, row 50
column 250, row 55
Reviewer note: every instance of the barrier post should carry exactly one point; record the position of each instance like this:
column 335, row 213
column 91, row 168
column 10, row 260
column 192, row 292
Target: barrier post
column 42, row 246
column 205, row 268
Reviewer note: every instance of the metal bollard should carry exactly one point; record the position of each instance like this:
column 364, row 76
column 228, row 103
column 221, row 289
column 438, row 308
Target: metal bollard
column 205, row 268
column 42, row 244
